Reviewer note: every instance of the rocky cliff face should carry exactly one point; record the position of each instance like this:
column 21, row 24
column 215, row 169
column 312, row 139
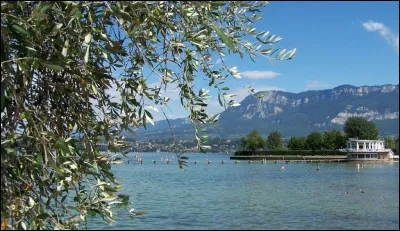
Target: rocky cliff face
column 318, row 110
column 298, row 114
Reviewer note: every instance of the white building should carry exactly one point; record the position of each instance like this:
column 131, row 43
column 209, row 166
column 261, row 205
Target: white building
column 368, row 150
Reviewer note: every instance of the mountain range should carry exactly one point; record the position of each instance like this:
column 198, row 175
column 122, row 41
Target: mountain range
column 295, row 114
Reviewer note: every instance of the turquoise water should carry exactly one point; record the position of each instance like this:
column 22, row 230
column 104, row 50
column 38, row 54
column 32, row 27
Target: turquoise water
column 257, row 196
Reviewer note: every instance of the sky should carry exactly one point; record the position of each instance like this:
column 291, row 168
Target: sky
column 337, row 43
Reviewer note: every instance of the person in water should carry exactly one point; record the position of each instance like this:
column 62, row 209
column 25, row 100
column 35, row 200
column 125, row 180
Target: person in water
column 317, row 168
column 282, row 168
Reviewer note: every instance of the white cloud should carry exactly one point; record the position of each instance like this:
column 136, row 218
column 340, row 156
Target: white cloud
column 260, row 74
column 385, row 32
column 314, row 84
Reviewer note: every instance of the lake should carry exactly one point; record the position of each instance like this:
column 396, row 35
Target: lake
column 256, row 196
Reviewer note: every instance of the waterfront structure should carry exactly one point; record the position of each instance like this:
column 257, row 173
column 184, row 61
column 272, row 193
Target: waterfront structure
column 368, row 150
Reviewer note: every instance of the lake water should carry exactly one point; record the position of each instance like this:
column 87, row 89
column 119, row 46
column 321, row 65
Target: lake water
column 256, row 196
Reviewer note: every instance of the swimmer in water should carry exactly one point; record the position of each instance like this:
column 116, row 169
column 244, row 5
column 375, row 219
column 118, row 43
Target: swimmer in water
column 282, row 168
column 317, row 168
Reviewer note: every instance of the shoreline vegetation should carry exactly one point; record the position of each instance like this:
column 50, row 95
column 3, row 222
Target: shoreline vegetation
column 297, row 155
column 291, row 157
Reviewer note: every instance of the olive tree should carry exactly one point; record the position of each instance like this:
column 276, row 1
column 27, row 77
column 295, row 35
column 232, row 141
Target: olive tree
column 60, row 63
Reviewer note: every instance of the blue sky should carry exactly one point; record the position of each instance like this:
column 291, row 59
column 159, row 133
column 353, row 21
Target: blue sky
column 337, row 43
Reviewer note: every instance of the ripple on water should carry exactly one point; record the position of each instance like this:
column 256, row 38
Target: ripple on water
column 257, row 196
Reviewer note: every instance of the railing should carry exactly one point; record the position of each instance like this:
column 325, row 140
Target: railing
column 366, row 150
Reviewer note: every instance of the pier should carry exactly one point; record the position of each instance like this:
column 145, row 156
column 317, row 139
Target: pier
column 293, row 158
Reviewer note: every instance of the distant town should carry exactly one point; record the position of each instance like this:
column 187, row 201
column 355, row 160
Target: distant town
column 187, row 146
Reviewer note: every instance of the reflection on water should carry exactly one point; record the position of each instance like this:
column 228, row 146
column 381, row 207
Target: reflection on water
column 257, row 196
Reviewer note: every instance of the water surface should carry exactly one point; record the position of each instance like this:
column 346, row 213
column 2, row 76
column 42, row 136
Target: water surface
column 256, row 196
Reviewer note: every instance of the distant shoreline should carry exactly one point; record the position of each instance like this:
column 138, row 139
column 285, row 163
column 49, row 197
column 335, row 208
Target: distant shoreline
column 291, row 157
column 186, row 153
column 307, row 159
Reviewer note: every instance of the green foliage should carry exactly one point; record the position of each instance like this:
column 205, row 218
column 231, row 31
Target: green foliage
column 331, row 140
column 297, row 143
column 290, row 153
column 334, row 140
column 60, row 61
column 274, row 140
column 392, row 143
column 253, row 141
column 389, row 142
column 315, row 141
column 360, row 128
